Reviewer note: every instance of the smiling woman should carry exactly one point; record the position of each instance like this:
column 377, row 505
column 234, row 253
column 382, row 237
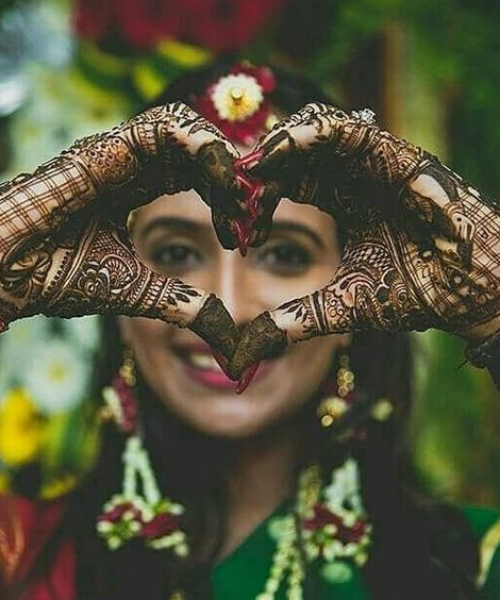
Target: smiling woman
column 174, row 236
column 298, row 488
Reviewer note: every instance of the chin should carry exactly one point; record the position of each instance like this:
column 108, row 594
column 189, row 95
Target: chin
column 230, row 420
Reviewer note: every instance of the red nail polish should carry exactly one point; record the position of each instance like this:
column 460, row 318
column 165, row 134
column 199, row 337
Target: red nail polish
column 249, row 161
column 247, row 377
column 244, row 182
column 253, row 200
column 238, row 232
column 241, row 229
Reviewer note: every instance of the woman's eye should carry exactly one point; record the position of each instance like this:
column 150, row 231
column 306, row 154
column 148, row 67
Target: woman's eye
column 286, row 258
column 175, row 256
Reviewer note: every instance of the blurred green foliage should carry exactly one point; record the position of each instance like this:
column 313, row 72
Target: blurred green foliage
column 455, row 47
column 456, row 44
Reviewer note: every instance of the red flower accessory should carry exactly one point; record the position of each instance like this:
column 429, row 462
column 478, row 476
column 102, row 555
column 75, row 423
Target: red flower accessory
column 346, row 534
column 238, row 103
column 121, row 405
column 218, row 25
column 160, row 525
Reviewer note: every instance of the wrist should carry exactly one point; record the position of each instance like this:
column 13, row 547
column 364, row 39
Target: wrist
column 478, row 334
column 485, row 353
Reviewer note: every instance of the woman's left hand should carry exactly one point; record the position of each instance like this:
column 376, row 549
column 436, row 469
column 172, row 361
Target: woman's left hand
column 422, row 246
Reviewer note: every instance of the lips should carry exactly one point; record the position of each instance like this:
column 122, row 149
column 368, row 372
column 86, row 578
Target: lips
column 199, row 363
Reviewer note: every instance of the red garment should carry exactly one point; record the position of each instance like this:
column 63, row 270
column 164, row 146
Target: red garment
column 25, row 528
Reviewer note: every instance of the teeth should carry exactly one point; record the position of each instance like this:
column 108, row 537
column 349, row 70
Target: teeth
column 203, row 361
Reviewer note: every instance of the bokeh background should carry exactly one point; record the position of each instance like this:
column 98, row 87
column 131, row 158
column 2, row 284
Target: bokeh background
column 429, row 68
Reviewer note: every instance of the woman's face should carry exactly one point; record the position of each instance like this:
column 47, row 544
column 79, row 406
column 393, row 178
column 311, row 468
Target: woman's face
column 174, row 236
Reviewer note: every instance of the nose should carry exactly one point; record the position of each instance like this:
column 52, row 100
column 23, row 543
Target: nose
column 231, row 283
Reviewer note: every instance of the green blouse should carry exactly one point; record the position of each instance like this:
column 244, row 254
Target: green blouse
column 243, row 574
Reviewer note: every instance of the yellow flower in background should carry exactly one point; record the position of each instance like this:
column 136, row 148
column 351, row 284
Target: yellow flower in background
column 21, row 428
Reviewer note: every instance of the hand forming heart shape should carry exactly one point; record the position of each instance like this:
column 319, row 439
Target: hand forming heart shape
column 421, row 247
column 64, row 250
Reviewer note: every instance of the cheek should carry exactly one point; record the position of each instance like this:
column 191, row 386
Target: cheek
column 274, row 291
column 151, row 343
column 309, row 365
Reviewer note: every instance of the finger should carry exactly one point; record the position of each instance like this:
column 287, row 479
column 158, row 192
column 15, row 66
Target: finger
column 230, row 223
column 377, row 155
column 320, row 313
column 270, row 155
column 103, row 274
column 253, row 189
column 196, row 155
column 268, row 200
column 439, row 197
column 358, row 151
column 314, row 125
column 369, row 290
column 180, row 127
column 236, row 225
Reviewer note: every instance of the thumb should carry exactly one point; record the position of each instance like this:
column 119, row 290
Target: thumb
column 323, row 312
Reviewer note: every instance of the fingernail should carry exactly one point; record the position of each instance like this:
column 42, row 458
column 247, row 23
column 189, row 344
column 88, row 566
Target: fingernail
column 253, row 200
column 244, row 182
column 247, row 377
column 249, row 161
column 222, row 361
column 242, row 232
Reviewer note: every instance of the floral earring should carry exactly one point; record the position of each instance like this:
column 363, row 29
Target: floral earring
column 139, row 510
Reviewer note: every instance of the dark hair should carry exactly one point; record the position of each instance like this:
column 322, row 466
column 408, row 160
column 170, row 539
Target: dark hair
column 420, row 549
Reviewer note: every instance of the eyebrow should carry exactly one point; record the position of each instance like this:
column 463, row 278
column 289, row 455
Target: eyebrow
column 286, row 226
column 175, row 223
column 283, row 226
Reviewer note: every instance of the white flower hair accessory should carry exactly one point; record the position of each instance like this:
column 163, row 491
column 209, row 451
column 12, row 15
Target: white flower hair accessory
column 237, row 97
column 239, row 104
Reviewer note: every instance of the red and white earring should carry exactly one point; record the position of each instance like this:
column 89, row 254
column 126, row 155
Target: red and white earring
column 139, row 511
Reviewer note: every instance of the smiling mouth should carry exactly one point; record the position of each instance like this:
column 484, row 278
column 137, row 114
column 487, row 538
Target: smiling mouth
column 200, row 360
column 201, row 366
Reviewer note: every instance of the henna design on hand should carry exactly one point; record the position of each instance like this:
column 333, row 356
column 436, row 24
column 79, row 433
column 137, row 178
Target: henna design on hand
column 422, row 244
column 62, row 250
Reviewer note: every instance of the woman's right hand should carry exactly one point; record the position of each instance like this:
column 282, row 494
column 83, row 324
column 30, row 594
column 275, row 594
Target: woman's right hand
column 64, row 250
